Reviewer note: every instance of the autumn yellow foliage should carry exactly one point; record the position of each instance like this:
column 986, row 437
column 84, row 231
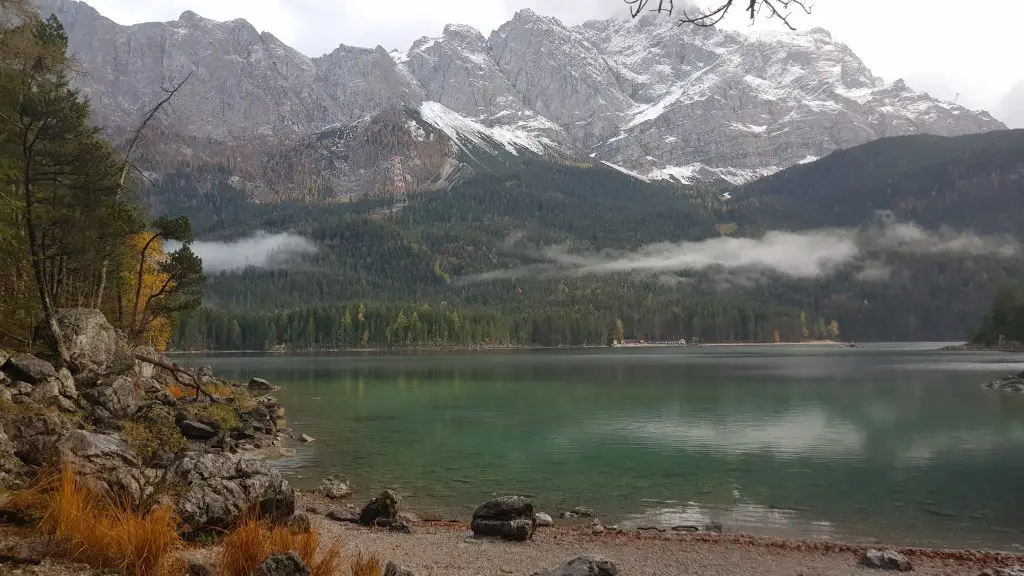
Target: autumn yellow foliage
column 251, row 542
column 157, row 332
column 85, row 527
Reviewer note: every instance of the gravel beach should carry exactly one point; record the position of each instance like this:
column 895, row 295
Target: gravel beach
column 448, row 549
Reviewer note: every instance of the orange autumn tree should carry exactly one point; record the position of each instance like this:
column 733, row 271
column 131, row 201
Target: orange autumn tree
column 156, row 286
column 158, row 332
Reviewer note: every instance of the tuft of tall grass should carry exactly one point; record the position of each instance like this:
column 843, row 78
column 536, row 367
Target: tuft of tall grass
column 366, row 565
column 251, row 542
column 89, row 528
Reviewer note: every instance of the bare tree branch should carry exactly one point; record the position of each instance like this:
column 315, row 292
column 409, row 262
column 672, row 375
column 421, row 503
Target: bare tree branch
column 175, row 371
column 780, row 9
column 146, row 120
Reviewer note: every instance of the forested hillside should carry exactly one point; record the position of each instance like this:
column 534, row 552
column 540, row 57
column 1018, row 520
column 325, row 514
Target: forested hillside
column 481, row 252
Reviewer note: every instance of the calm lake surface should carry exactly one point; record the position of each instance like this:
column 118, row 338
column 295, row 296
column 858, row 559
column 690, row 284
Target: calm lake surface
column 893, row 442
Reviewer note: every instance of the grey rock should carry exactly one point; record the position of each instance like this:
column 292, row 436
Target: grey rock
column 257, row 384
column 544, row 519
column 508, row 517
column 1012, row 383
column 90, row 340
column 114, row 399
column 104, row 463
column 5, row 393
column 9, row 462
column 392, row 569
column 19, row 387
column 305, row 438
column 335, row 488
column 196, row 430
column 384, row 507
column 48, row 393
column 222, row 488
column 197, row 568
column 583, row 566
column 343, row 515
column 287, row 564
column 3, row 357
column 885, row 560
column 299, row 524
column 28, row 368
column 34, row 436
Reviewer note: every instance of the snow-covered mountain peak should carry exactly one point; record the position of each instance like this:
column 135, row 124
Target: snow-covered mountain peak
column 646, row 94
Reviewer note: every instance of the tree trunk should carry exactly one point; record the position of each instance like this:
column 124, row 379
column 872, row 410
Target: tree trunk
column 37, row 262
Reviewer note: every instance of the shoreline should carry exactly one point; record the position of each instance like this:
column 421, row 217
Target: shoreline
column 445, row 547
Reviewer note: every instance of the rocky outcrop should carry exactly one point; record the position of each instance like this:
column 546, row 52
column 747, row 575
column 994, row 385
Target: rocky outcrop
column 583, row 566
column 285, row 564
column 35, row 434
column 112, row 399
column 885, row 560
column 222, row 489
column 383, row 508
column 57, row 392
column 105, row 464
column 27, row 368
column 508, row 517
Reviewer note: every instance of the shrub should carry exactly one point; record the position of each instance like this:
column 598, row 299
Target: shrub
column 85, row 527
column 366, row 566
column 150, row 438
column 251, row 542
column 225, row 415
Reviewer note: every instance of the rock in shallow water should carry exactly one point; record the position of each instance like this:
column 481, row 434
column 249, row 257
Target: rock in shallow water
column 583, row 566
column 508, row 517
column 885, row 560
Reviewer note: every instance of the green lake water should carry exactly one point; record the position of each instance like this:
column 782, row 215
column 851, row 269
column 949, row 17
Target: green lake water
column 894, row 442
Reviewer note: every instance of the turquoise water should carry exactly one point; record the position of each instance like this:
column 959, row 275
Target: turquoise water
column 898, row 443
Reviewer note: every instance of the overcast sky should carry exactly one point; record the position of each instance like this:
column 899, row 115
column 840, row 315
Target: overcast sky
column 926, row 42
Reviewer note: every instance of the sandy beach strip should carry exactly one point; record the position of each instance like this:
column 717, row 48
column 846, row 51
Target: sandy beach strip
column 448, row 549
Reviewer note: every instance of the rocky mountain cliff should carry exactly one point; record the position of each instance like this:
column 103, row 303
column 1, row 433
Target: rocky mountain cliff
column 647, row 96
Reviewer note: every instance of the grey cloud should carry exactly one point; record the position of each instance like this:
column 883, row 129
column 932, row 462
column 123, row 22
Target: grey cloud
column 261, row 250
column 1011, row 108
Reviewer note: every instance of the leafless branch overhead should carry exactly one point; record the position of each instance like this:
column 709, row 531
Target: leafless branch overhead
column 781, row 9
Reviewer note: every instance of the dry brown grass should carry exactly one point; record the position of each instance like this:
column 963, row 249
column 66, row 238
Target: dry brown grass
column 88, row 528
column 251, row 542
column 179, row 391
column 366, row 565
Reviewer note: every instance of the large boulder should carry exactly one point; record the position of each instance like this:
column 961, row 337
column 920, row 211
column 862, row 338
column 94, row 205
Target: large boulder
column 112, row 399
column 90, row 340
column 583, row 566
column 382, row 508
column 34, row 434
column 28, row 368
column 286, row 564
column 885, row 560
column 104, row 463
column 508, row 517
column 221, row 489
column 196, row 430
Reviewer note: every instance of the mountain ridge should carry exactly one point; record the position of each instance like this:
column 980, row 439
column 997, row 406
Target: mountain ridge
column 663, row 102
